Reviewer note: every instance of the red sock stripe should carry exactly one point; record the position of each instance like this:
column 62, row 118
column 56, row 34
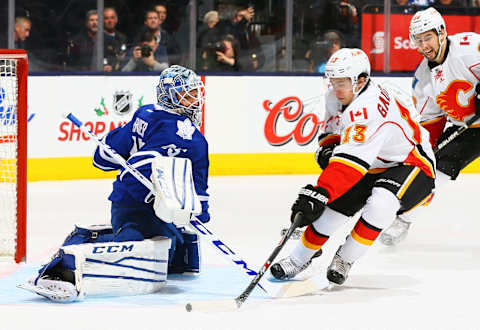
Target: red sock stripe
column 313, row 239
column 366, row 231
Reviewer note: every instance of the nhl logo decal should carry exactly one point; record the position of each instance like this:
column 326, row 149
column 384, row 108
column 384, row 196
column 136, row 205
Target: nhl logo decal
column 122, row 102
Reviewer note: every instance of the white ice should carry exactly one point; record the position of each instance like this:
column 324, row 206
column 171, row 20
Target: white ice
column 430, row 281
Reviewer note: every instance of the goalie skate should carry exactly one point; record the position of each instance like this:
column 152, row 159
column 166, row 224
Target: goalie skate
column 338, row 270
column 396, row 233
column 52, row 289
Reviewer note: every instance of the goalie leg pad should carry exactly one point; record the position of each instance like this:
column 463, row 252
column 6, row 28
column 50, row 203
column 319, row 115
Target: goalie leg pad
column 60, row 264
column 120, row 268
column 187, row 257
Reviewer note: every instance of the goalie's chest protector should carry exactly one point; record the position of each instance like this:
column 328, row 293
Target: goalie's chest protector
column 153, row 132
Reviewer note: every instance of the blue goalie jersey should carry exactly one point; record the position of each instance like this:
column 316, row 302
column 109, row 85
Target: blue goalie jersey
column 153, row 130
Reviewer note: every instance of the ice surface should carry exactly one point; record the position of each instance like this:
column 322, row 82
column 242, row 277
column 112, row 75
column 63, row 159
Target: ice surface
column 430, row 281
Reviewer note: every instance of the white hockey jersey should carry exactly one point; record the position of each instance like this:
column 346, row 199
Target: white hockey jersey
column 449, row 88
column 377, row 131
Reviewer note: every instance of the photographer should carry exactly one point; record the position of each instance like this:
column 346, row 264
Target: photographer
column 147, row 55
column 221, row 55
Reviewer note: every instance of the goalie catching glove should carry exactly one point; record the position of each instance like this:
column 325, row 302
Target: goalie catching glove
column 311, row 201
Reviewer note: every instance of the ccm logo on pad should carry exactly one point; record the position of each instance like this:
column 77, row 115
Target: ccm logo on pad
column 112, row 248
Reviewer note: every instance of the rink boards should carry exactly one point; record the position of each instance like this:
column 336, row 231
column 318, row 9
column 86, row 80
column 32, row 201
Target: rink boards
column 254, row 124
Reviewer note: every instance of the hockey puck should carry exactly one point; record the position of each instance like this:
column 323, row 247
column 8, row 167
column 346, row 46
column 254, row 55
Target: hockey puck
column 188, row 307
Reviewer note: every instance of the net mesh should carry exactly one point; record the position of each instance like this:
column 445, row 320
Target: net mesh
column 8, row 156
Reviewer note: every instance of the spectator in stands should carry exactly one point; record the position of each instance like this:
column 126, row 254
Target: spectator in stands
column 146, row 56
column 418, row 3
column 221, row 55
column 21, row 31
column 161, row 9
column 251, row 55
column 168, row 39
column 209, row 32
column 115, row 42
column 83, row 44
column 343, row 17
column 152, row 24
column 450, row 4
column 321, row 50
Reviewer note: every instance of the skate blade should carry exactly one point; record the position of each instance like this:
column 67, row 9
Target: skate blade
column 44, row 292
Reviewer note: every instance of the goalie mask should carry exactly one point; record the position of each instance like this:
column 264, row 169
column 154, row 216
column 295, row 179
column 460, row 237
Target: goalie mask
column 348, row 63
column 181, row 90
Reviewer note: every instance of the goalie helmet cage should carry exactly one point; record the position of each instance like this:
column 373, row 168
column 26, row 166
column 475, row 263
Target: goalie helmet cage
column 13, row 153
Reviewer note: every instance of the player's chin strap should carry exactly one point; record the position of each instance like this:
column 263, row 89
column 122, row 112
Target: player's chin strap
column 199, row 227
column 440, row 48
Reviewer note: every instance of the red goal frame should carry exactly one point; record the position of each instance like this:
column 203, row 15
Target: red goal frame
column 21, row 57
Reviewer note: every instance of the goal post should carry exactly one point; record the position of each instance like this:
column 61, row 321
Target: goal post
column 13, row 153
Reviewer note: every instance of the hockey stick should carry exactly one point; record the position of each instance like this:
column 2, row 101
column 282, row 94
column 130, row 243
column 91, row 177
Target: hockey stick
column 456, row 133
column 244, row 295
column 229, row 305
column 199, row 227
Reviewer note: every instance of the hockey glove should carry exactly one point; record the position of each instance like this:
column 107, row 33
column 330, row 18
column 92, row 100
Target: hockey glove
column 477, row 100
column 323, row 154
column 311, row 201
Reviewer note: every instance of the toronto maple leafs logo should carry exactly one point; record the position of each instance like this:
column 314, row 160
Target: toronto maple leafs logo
column 173, row 150
column 185, row 129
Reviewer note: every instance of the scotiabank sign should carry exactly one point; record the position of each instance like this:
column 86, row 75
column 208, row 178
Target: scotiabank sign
column 403, row 54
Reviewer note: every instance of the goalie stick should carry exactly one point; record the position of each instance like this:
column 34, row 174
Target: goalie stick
column 287, row 290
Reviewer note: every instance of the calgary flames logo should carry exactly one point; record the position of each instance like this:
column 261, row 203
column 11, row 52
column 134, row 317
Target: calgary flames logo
column 448, row 100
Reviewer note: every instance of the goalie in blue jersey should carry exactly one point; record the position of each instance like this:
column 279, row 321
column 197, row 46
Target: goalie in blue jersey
column 147, row 238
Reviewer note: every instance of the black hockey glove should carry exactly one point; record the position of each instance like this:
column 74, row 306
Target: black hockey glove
column 323, row 154
column 311, row 201
column 477, row 100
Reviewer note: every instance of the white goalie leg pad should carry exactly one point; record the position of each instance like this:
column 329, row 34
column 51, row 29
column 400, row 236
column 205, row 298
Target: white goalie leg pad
column 120, row 268
column 175, row 196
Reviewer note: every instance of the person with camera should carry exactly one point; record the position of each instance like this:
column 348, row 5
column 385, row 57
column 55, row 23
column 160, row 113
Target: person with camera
column 221, row 55
column 147, row 56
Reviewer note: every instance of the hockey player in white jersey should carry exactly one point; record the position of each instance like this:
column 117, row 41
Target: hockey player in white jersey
column 382, row 163
column 147, row 238
column 445, row 90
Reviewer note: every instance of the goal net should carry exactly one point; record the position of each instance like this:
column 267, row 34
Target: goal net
column 13, row 153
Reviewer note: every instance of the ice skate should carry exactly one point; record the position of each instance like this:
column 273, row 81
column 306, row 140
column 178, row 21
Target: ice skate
column 286, row 268
column 338, row 270
column 52, row 288
column 396, row 233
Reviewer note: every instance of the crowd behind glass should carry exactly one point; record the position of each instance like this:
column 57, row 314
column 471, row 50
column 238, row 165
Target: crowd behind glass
column 230, row 35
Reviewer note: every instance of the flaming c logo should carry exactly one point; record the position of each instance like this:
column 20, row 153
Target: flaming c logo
column 448, row 100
